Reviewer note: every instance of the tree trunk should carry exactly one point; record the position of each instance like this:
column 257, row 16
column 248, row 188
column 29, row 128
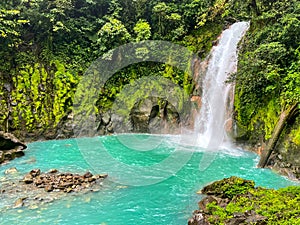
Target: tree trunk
column 285, row 116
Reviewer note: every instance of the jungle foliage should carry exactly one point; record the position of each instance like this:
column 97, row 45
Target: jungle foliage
column 268, row 77
column 46, row 46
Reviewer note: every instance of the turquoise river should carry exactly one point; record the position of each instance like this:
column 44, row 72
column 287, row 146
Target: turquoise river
column 168, row 201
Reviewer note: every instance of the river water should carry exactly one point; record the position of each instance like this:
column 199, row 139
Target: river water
column 170, row 200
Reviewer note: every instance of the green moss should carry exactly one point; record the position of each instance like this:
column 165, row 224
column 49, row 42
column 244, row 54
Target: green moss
column 201, row 40
column 268, row 116
column 295, row 134
column 278, row 206
column 40, row 97
column 229, row 187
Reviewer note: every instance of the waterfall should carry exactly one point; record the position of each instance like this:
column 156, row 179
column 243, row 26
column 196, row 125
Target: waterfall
column 210, row 121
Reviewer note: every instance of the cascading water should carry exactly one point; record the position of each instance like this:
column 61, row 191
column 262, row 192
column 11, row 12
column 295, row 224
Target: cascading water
column 211, row 120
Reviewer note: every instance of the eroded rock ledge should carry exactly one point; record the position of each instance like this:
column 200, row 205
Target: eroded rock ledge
column 10, row 147
column 234, row 201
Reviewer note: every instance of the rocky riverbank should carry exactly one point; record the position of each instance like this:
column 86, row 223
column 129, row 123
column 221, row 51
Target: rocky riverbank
column 234, row 201
column 37, row 188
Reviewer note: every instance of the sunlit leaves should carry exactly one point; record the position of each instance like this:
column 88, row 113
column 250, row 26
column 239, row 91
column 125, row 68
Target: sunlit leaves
column 142, row 29
column 112, row 34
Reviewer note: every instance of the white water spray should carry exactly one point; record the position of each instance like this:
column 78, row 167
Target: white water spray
column 211, row 120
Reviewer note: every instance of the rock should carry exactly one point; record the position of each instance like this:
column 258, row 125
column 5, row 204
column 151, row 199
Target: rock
column 33, row 207
column 102, row 176
column 35, row 172
column 53, row 171
column 38, row 181
column 68, row 190
column 106, row 119
column 198, row 219
column 110, row 129
column 10, row 147
column 91, row 179
column 9, row 141
column 66, row 182
column 222, row 193
column 256, row 219
column 209, row 199
column 238, row 218
column 87, row 175
column 11, row 170
column 9, row 155
column 19, row 153
column 49, row 188
column 19, row 203
column 28, row 179
column 1, row 157
column 220, row 188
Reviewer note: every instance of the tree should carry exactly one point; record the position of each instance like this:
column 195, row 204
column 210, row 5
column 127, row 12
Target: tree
column 112, row 34
column 142, row 30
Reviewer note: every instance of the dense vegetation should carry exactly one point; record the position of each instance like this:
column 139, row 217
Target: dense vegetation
column 46, row 46
column 268, row 80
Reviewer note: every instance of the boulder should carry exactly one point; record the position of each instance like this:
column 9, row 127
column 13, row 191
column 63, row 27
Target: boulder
column 53, row 171
column 10, row 147
column 35, row 172
column 9, row 141
column 28, row 179
column 19, row 202
column 11, row 170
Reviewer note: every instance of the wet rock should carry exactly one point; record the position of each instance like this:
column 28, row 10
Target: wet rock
column 53, row 171
column 110, row 129
column 101, row 176
column 11, row 170
column 87, row 175
column 28, row 179
column 41, row 188
column 19, row 203
column 35, row 172
column 19, row 153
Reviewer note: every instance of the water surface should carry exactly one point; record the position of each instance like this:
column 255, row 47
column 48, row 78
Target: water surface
column 170, row 201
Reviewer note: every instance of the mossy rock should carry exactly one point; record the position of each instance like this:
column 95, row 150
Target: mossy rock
column 228, row 187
